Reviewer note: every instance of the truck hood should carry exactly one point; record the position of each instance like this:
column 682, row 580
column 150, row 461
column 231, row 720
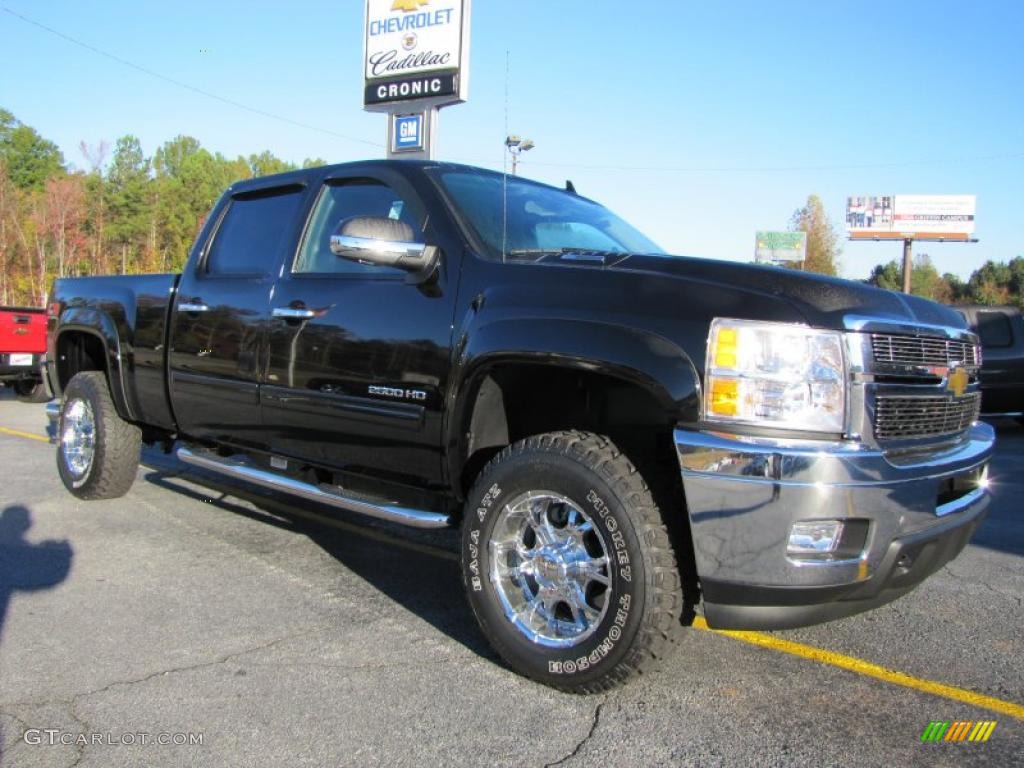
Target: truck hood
column 824, row 302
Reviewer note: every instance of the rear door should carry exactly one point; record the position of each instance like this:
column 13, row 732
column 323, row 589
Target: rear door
column 358, row 356
column 219, row 318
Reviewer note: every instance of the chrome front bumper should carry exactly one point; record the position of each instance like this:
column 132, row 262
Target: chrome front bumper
column 743, row 494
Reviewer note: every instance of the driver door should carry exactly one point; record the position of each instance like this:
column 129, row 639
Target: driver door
column 359, row 357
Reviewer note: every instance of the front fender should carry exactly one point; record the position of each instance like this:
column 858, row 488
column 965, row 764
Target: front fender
column 638, row 356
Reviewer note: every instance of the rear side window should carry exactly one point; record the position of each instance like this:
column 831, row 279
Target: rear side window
column 253, row 230
column 994, row 329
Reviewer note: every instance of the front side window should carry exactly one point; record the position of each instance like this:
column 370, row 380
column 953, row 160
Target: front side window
column 253, row 231
column 339, row 202
column 519, row 218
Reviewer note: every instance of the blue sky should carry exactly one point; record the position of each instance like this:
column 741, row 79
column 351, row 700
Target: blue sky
column 698, row 122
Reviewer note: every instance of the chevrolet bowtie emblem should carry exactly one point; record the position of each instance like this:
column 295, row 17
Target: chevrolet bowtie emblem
column 957, row 381
column 408, row 5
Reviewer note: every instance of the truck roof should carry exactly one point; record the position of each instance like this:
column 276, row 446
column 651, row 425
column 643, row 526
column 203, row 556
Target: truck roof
column 305, row 175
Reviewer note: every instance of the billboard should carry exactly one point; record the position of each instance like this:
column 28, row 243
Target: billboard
column 777, row 247
column 415, row 50
column 911, row 217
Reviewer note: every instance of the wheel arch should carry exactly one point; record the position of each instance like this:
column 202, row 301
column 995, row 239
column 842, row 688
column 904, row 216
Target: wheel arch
column 643, row 369
column 87, row 340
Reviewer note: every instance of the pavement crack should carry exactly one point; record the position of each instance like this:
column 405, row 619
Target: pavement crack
column 71, row 702
column 593, row 727
column 983, row 583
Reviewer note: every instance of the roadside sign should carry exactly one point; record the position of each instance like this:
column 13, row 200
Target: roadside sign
column 911, row 217
column 415, row 50
column 777, row 247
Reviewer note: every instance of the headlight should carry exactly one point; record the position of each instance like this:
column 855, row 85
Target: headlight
column 776, row 375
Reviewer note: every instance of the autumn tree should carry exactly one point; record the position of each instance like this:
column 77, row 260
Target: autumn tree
column 65, row 199
column 822, row 240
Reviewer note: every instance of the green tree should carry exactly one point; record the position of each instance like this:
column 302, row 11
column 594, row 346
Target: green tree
column 957, row 288
column 265, row 164
column 926, row 281
column 991, row 284
column 189, row 180
column 822, row 240
column 29, row 158
column 128, row 200
column 889, row 276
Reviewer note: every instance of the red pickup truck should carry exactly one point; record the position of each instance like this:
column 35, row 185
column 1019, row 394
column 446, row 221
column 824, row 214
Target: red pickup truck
column 22, row 352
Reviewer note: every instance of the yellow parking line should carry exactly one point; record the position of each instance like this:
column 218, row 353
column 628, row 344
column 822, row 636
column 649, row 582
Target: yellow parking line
column 28, row 435
column 820, row 655
column 866, row 668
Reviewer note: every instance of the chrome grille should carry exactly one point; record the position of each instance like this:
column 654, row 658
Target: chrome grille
column 924, row 416
column 924, row 350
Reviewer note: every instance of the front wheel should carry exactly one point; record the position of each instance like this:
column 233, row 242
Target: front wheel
column 567, row 562
column 97, row 450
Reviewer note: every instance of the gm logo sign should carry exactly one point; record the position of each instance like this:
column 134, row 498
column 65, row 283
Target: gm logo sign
column 408, row 133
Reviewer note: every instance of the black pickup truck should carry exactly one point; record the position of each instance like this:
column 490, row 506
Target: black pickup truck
column 625, row 437
column 1001, row 331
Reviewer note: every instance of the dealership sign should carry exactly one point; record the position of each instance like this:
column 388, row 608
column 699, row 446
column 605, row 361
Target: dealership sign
column 911, row 217
column 415, row 50
column 777, row 247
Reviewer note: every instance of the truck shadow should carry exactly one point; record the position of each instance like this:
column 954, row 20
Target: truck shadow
column 419, row 573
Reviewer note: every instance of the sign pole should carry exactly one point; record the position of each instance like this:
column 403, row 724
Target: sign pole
column 907, row 264
column 415, row 61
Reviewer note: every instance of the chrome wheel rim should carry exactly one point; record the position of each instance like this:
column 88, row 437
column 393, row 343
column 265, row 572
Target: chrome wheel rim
column 550, row 569
column 78, row 438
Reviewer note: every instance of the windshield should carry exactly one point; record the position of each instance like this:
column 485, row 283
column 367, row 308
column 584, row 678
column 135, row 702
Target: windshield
column 537, row 219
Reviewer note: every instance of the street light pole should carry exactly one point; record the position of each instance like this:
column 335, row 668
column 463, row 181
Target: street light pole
column 516, row 146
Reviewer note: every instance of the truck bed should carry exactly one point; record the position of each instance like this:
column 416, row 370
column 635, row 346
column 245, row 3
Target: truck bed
column 133, row 311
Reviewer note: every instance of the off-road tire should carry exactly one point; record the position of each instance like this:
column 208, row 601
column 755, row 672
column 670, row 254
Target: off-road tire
column 646, row 597
column 32, row 391
column 117, row 442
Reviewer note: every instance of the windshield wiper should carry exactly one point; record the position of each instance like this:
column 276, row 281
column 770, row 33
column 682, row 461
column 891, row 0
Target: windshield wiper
column 581, row 254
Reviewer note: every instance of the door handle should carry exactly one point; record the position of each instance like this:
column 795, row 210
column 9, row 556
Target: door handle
column 291, row 313
column 196, row 305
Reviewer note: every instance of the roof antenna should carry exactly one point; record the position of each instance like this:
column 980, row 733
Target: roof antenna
column 569, row 186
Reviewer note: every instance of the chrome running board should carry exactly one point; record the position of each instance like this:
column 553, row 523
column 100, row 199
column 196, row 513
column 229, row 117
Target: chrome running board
column 415, row 518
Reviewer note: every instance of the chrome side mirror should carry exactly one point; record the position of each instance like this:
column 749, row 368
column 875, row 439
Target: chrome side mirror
column 383, row 242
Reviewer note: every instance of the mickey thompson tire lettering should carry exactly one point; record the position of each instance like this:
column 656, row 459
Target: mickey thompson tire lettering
column 644, row 595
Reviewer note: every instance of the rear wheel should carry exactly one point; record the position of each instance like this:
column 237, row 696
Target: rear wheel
column 567, row 562
column 97, row 451
column 32, row 390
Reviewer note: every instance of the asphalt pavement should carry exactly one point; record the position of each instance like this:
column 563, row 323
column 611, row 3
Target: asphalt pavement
column 262, row 631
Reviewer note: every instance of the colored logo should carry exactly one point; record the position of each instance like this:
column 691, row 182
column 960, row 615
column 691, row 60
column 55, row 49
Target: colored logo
column 408, row 135
column 959, row 730
column 408, row 5
column 957, row 381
